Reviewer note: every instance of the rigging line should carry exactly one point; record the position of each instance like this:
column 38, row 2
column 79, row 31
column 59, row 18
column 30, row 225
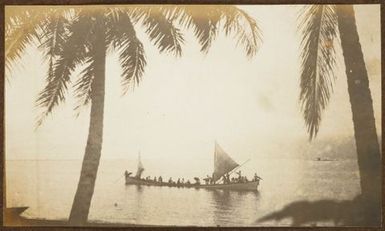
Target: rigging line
column 230, row 172
column 118, row 179
column 239, row 166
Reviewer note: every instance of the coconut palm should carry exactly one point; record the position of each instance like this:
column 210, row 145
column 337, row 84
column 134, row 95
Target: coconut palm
column 82, row 37
column 321, row 25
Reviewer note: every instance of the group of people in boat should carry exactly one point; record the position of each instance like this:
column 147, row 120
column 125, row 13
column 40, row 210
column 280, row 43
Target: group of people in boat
column 181, row 182
column 233, row 180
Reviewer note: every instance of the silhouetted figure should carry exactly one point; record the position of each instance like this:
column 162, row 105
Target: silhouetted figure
column 127, row 174
column 178, row 182
column 170, row 180
column 197, row 181
column 160, row 180
column 227, row 178
column 239, row 173
column 256, row 177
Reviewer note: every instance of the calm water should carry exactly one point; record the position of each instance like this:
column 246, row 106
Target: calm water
column 48, row 187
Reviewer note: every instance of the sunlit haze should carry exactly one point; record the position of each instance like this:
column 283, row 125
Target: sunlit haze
column 250, row 106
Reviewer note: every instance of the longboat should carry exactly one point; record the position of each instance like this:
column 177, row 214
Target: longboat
column 223, row 164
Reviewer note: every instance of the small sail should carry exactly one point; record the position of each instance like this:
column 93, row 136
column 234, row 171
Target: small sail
column 140, row 168
column 222, row 163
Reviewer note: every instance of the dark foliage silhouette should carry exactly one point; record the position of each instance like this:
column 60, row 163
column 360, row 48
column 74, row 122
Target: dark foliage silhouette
column 320, row 26
column 333, row 212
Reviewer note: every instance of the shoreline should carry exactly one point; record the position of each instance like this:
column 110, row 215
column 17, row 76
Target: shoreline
column 13, row 218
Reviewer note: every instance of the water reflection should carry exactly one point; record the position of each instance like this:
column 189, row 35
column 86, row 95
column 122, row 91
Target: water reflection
column 116, row 202
column 137, row 198
column 227, row 205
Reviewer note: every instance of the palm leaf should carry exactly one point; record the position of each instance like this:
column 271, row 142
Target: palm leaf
column 160, row 29
column 73, row 53
column 203, row 22
column 121, row 34
column 54, row 33
column 83, row 87
column 318, row 29
column 22, row 29
column 53, row 39
column 133, row 60
column 208, row 22
column 246, row 30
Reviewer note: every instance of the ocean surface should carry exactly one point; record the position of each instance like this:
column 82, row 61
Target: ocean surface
column 48, row 188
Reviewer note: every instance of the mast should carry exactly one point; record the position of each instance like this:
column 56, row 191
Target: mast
column 140, row 169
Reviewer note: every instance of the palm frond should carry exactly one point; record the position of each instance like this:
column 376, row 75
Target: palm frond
column 53, row 92
column 83, row 87
column 246, row 30
column 53, row 38
column 54, row 34
column 208, row 22
column 203, row 22
column 160, row 29
column 318, row 28
column 22, row 29
column 73, row 53
column 133, row 60
column 121, row 34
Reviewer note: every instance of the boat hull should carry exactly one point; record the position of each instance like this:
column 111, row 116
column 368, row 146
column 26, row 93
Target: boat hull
column 247, row 186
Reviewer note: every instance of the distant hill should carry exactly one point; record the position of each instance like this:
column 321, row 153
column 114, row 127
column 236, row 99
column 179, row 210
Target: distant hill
column 328, row 149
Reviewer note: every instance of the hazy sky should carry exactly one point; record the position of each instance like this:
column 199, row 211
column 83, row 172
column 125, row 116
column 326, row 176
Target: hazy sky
column 183, row 104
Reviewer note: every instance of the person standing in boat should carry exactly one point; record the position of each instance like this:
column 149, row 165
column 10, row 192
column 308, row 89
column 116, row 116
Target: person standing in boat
column 212, row 179
column 239, row 176
column 207, row 180
column 197, row 181
column 256, row 177
column 178, row 182
column 227, row 178
column 127, row 174
column 160, row 180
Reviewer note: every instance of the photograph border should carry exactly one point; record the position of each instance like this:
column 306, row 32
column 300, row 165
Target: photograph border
column 205, row 2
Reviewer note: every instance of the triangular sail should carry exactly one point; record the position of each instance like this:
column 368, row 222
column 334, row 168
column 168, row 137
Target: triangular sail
column 140, row 168
column 222, row 163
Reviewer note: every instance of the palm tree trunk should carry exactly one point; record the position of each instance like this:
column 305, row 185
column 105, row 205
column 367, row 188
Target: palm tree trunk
column 86, row 185
column 368, row 152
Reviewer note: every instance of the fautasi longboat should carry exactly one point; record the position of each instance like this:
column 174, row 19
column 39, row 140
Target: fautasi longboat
column 223, row 165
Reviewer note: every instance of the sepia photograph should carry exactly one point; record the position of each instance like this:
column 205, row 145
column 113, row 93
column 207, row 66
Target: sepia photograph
column 172, row 115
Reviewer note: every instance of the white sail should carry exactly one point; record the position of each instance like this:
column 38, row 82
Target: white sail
column 223, row 163
column 140, row 169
